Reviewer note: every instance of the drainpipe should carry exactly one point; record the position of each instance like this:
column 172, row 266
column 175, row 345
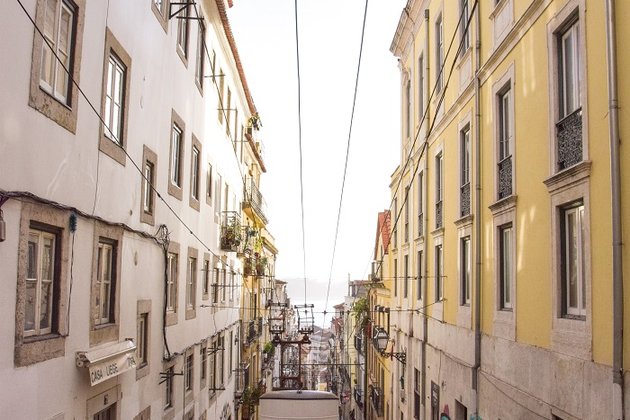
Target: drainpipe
column 615, row 175
column 425, row 319
column 477, row 315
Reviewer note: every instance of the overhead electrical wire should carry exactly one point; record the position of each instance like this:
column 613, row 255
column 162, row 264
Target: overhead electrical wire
column 299, row 108
column 345, row 166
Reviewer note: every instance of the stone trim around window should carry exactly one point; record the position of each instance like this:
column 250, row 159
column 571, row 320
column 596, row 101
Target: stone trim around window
column 502, row 18
column 206, row 258
column 503, row 84
column 504, row 322
column 570, row 336
column 555, row 25
column 100, row 334
column 169, row 412
column 63, row 114
column 148, row 155
column 174, row 190
column 192, row 201
column 171, row 316
column 144, row 414
column 464, row 314
column 161, row 15
column 39, row 348
column 189, row 394
column 192, row 253
column 144, row 307
column 107, row 145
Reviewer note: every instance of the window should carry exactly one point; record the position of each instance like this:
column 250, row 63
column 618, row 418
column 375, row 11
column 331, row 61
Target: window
column 195, row 174
column 212, row 384
column 439, row 53
column 194, row 181
column 407, row 198
column 228, row 111
column 573, row 261
column 230, row 359
column 395, row 228
column 419, row 275
column 395, row 277
column 203, row 370
column 417, row 380
column 205, row 286
column 420, row 89
column 569, row 74
column 114, row 99
column 406, row 276
column 506, row 249
column 182, row 33
column 51, row 91
column 221, row 77
column 147, row 197
column 40, row 300
column 218, row 182
column 176, row 143
column 504, row 170
column 209, row 185
column 159, row 10
column 464, row 170
column 220, row 354
column 232, row 284
column 176, row 163
column 168, row 388
column 58, row 29
column 142, row 340
column 569, row 144
column 171, row 284
column 191, row 283
column 421, row 203
column 200, row 63
column 465, row 270
column 461, row 412
column 223, row 283
column 439, row 279
column 464, row 30
column 105, row 282
column 188, row 373
column 215, row 282
column 408, row 109
column 148, row 181
column 439, row 173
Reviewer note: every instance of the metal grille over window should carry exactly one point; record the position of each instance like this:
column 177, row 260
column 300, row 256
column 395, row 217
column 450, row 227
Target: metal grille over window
column 505, row 177
column 465, row 200
column 569, row 136
column 438, row 214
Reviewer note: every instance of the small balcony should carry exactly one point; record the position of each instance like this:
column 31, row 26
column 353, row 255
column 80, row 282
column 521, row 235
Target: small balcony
column 439, row 215
column 231, row 231
column 254, row 201
column 504, row 178
column 569, row 140
column 254, row 329
column 464, row 200
column 376, row 398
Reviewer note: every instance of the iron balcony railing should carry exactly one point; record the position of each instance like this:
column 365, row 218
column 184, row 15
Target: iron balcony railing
column 255, row 200
column 569, row 138
column 505, row 177
column 231, row 231
column 358, row 396
column 464, row 200
column 376, row 398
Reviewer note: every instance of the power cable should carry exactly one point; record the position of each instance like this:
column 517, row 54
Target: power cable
column 345, row 166
column 299, row 104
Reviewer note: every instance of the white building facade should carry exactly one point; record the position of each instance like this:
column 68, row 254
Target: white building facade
column 120, row 138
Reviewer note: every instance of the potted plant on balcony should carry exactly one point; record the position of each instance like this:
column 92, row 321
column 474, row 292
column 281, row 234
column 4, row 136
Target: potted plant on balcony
column 250, row 398
column 261, row 265
column 248, row 266
column 231, row 236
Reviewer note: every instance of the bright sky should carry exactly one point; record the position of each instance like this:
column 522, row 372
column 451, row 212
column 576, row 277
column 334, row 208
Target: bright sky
column 329, row 41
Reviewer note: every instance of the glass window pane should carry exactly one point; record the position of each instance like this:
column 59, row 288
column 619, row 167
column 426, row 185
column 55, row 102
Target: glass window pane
column 30, row 305
column 46, row 305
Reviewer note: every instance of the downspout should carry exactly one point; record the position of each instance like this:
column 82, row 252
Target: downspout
column 425, row 319
column 477, row 311
column 615, row 175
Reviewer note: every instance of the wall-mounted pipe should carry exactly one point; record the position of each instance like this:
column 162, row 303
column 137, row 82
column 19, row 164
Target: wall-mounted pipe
column 615, row 175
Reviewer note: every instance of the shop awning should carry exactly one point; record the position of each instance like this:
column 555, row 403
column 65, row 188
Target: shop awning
column 108, row 362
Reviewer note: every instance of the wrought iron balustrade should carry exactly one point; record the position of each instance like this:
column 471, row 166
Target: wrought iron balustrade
column 255, row 200
column 504, row 177
column 464, row 200
column 569, row 140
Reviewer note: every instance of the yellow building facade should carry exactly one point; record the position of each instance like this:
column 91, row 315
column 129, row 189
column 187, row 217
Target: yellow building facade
column 506, row 272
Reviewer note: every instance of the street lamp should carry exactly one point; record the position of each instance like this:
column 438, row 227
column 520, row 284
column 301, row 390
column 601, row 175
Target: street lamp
column 381, row 339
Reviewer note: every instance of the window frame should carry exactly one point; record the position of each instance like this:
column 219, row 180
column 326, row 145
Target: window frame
column 406, row 276
column 504, row 149
column 148, row 215
column 176, row 160
column 102, row 329
column 577, row 208
column 465, row 271
column 195, row 174
column 143, row 311
column 505, row 265
column 182, row 34
column 439, row 53
column 191, row 283
column 107, row 144
column 41, row 235
column 63, row 113
column 172, row 290
column 439, row 190
column 160, row 12
column 200, row 62
column 439, row 272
